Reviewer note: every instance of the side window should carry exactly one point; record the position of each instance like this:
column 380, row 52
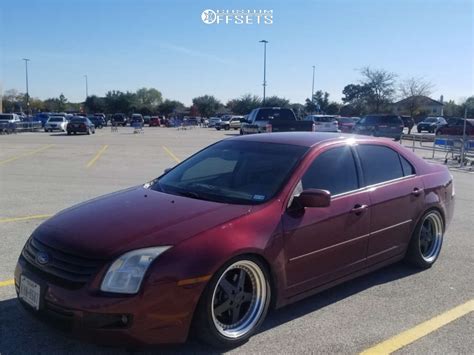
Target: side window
column 334, row 170
column 379, row 163
column 407, row 167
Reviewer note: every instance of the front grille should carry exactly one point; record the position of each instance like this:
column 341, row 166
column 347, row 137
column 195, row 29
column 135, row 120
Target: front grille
column 65, row 266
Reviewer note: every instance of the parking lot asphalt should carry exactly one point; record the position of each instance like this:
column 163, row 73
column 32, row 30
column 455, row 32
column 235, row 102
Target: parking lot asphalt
column 43, row 173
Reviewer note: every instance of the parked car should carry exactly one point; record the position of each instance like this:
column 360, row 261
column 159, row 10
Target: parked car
column 119, row 119
column 155, row 121
column 346, row 124
column 135, row 119
column 98, row 121
column 79, row 124
column 43, row 117
column 229, row 122
column 246, row 223
column 213, row 121
column 9, row 118
column 389, row 126
column 273, row 119
column 103, row 118
column 430, row 124
column 146, row 120
column 323, row 123
column 455, row 127
column 56, row 123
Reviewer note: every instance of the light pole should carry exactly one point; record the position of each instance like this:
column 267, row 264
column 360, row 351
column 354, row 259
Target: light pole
column 27, row 91
column 264, row 67
column 87, row 87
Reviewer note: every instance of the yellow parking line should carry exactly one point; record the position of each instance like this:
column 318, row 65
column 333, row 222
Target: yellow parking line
column 97, row 156
column 26, row 218
column 171, row 154
column 409, row 336
column 26, row 154
column 7, row 283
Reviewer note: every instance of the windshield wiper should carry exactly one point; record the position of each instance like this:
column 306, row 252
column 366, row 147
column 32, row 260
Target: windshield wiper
column 194, row 195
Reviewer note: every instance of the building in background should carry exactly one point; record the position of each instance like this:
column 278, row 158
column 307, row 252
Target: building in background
column 419, row 106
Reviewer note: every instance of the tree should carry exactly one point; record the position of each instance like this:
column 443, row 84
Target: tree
column 310, row 106
column 117, row 101
column 275, row 101
column 95, row 104
column 62, row 102
column 207, row 105
column 333, row 108
column 13, row 101
column 244, row 104
column 469, row 105
column 412, row 91
column 167, row 107
column 148, row 99
column 322, row 100
column 380, row 86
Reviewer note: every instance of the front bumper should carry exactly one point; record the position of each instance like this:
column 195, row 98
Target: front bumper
column 159, row 313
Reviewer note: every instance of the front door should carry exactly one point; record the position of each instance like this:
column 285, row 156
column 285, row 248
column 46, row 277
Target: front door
column 322, row 244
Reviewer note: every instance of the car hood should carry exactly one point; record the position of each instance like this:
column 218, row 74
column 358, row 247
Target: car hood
column 135, row 218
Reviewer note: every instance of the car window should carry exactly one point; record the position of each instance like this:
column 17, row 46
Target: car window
column 379, row 163
column 333, row 170
column 265, row 114
column 407, row 168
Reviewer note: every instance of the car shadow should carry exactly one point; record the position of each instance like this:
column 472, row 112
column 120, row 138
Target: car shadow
column 20, row 332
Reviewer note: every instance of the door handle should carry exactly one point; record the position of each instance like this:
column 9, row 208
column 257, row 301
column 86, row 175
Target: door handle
column 416, row 191
column 359, row 209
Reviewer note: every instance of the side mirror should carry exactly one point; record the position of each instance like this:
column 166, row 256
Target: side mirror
column 314, row 198
column 167, row 169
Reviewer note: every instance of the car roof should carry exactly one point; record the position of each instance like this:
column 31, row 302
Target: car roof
column 306, row 139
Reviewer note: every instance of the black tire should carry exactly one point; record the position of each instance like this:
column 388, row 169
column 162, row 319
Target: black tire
column 438, row 133
column 204, row 327
column 218, row 128
column 68, row 133
column 241, row 132
column 227, row 128
column 419, row 130
column 415, row 256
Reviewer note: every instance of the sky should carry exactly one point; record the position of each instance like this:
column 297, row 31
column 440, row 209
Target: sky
column 129, row 44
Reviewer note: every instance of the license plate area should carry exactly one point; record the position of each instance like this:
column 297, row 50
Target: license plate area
column 30, row 292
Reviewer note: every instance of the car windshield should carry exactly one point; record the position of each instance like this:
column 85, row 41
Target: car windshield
column 345, row 120
column 55, row 119
column 233, row 172
column 431, row 119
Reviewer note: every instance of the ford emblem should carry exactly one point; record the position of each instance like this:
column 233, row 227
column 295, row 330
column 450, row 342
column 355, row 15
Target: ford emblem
column 42, row 258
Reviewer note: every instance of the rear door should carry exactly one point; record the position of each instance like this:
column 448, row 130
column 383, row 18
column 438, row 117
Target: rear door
column 322, row 244
column 396, row 199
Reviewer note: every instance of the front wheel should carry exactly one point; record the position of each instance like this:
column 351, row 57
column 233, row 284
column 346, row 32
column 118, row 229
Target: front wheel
column 426, row 241
column 234, row 303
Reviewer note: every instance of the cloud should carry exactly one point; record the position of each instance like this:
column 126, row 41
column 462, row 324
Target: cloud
column 194, row 53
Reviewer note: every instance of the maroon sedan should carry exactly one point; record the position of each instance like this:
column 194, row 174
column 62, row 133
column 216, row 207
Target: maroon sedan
column 246, row 223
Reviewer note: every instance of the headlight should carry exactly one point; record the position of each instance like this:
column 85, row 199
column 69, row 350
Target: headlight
column 125, row 275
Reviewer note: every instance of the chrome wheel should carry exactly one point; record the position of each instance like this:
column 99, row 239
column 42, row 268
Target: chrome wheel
column 239, row 299
column 431, row 236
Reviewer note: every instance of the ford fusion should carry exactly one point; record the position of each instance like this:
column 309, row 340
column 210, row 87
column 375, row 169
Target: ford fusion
column 248, row 223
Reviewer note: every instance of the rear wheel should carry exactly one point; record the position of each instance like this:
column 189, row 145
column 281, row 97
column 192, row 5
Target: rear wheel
column 68, row 133
column 226, row 128
column 234, row 304
column 426, row 241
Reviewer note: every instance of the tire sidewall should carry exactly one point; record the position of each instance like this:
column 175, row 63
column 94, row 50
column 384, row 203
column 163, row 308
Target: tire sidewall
column 414, row 255
column 208, row 330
